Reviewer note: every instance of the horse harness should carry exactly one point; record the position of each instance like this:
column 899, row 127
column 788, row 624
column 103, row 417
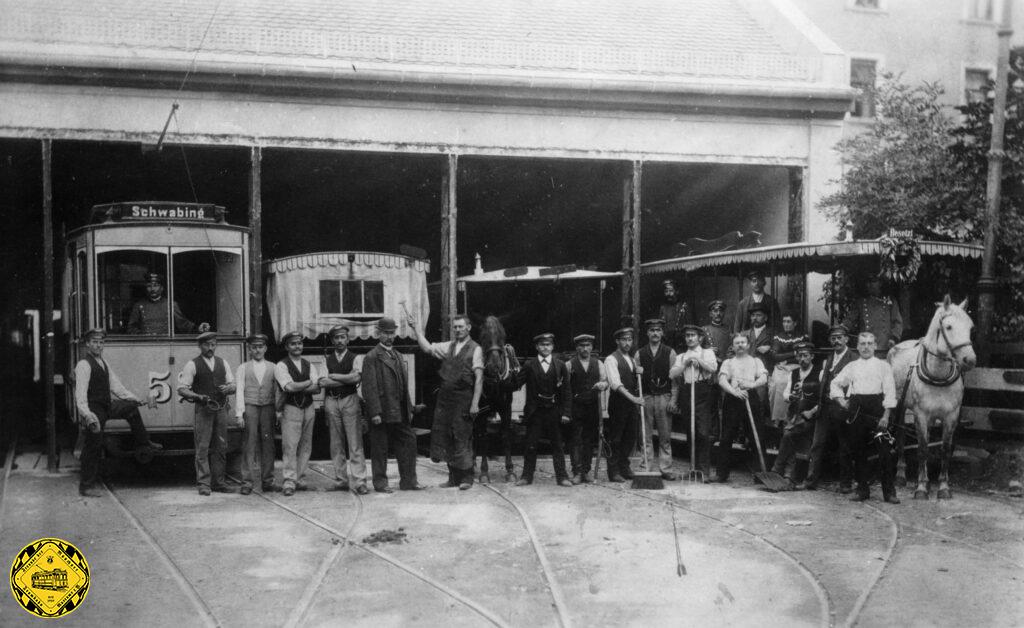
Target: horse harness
column 954, row 373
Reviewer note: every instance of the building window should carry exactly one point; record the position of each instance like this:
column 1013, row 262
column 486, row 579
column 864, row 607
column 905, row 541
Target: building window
column 975, row 85
column 866, row 4
column 982, row 10
column 862, row 78
column 352, row 297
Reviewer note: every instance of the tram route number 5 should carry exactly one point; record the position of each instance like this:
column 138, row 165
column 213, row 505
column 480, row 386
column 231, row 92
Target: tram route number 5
column 159, row 389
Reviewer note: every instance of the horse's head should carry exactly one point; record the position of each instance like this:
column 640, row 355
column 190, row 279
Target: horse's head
column 950, row 333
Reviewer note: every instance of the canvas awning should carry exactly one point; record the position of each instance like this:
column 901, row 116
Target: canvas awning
column 533, row 273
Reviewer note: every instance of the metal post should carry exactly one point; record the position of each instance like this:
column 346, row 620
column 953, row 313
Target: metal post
column 627, row 247
column 993, row 192
column 255, row 240
column 637, row 173
column 46, row 335
column 449, row 259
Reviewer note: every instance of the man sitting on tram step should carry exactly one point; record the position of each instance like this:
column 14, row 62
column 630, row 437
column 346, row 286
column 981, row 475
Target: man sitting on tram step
column 344, row 413
column 458, row 401
column 587, row 380
column 758, row 295
column 149, row 316
column 623, row 405
column 256, row 406
column 696, row 366
column 876, row 314
column 386, row 392
column 300, row 381
column 656, row 360
column 548, row 406
column 100, row 397
column 830, row 425
column 207, row 381
column 866, row 389
column 803, row 394
column 740, row 377
column 675, row 311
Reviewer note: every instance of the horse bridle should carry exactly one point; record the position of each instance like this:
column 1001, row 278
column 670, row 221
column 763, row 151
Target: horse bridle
column 955, row 372
column 949, row 345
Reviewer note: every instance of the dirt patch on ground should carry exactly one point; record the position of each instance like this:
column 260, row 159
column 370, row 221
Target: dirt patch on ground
column 995, row 468
column 386, row 536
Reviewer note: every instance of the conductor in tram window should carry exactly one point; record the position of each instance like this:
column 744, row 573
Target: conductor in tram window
column 548, row 407
column 149, row 316
column 207, row 381
column 757, row 296
column 100, row 397
column 624, row 403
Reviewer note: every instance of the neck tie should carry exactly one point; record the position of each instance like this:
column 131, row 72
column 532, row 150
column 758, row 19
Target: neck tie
column 544, row 365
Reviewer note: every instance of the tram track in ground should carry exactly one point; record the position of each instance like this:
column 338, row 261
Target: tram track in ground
column 474, row 606
column 8, row 465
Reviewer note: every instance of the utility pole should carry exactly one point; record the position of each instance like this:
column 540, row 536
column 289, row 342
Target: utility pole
column 987, row 284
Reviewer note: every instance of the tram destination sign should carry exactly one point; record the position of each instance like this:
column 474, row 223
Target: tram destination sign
column 158, row 211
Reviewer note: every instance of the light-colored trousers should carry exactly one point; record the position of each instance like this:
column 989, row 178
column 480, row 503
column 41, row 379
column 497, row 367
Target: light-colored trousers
column 296, row 443
column 344, row 422
column 656, row 416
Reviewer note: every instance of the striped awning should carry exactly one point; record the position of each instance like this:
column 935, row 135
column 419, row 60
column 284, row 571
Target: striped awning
column 818, row 257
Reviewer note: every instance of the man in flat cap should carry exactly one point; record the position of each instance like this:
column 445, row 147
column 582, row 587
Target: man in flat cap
column 624, row 403
column 149, row 316
column 206, row 380
column 548, row 406
column 587, row 380
column 385, row 386
column 458, row 401
column 656, row 359
column 344, row 413
column 256, row 406
column 100, row 397
column 773, row 315
column 803, row 394
column 299, row 380
column 693, row 382
column 829, row 427
column 675, row 313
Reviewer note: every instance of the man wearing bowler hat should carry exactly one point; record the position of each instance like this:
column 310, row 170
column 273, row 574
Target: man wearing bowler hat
column 386, row 392
column 299, row 380
column 101, row 397
column 757, row 295
column 624, row 403
column 207, row 381
column 256, row 400
column 149, row 316
column 587, row 380
column 344, row 414
column 548, row 407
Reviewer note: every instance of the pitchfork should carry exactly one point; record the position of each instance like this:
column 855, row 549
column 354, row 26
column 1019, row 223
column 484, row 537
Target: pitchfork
column 695, row 474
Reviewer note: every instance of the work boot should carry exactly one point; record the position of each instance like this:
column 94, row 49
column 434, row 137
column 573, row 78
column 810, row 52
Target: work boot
column 892, row 499
column 845, row 489
column 88, row 491
column 245, row 490
column 585, row 478
column 670, row 476
column 616, row 478
column 566, row 482
column 576, row 479
column 860, row 497
column 808, row 485
column 523, row 482
column 204, row 491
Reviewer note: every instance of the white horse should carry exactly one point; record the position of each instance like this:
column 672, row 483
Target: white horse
column 929, row 380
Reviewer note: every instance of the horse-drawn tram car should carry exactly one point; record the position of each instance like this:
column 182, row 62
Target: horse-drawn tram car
column 154, row 275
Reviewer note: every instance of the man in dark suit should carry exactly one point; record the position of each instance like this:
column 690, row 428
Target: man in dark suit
column 548, row 405
column 829, row 425
column 386, row 392
column 757, row 296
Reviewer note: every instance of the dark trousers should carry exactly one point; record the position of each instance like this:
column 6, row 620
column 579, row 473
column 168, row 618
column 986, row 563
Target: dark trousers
column 211, row 442
column 258, row 461
column 544, row 422
column 828, row 428
column 734, row 417
column 451, row 436
column 583, row 436
column 119, row 410
column 794, row 440
column 703, row 420
column 485, row 432
column 403, row 441
column 866, row 411
column 620, row 431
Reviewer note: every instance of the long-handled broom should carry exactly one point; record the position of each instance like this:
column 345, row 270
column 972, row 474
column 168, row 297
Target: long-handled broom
column 771, row 480
column 646, row 479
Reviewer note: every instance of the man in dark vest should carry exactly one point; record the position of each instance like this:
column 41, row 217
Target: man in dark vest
column 256, row 398
column 458, row 401
column 695, row 370
column 624, row 404
column 548, row 406
column 657, row 359
column 207, row 381
column 804, row 398
column 100, row 397
column 299, row 380
column 344, row 414
column 828, row 427
column 587, row 380
column 386, row 391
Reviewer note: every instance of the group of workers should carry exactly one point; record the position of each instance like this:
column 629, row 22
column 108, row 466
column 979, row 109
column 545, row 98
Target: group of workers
column 700, row 372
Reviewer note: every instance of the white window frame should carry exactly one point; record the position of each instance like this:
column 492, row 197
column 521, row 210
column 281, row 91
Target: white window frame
column 879, row 70
column 341, row 297
column 883, row 7
column 988, row 68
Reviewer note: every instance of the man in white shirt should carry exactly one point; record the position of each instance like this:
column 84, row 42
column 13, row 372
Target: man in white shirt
column 587, row 380
column 255, row 409
column 344, row 413
column 624, row 403
column 656, row 359
column 100, row 397
column 740, row 377
column 866, row 389
column 830, row 425
column 694, row 370
column 547, row 409
column 300, row 381
column 458, row 401
column 207, row 381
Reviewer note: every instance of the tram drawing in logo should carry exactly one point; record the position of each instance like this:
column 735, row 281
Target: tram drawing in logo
column 50, row 577
column 54, row 580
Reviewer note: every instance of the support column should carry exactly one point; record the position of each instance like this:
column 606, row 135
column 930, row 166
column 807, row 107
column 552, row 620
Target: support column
column 797, row 219
column 627, row 247
column 449, row 259
column 637, row 173
column 255, row 240
column 46, row 323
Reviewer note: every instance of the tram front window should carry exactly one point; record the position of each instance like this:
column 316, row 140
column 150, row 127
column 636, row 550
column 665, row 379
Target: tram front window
column 208, row 286
column 127, row 304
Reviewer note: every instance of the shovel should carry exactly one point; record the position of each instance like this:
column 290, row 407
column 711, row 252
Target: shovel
column 771, row 480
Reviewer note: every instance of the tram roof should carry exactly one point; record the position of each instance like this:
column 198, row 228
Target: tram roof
column 534, row 273
column 822, row 257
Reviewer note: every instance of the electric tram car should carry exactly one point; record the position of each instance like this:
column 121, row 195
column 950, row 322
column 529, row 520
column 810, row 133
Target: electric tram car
column 53, row 580
column 112, row 264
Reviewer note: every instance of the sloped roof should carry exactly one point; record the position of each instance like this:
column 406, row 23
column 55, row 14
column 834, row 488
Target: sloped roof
column 711, row 40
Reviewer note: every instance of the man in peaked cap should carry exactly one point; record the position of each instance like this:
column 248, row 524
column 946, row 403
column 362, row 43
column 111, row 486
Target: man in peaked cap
column 624, row 403
column 344, row 413
column 803, row 395
column 587, row 380
column 694, row 370
column 657, row 360
column 829, row 426
column 674, row 311
column 757, row 295
column 100, row 397
column 717, row 334
column 299, row 380
column 256, row 401
column 149, row 316
column 548, row 406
